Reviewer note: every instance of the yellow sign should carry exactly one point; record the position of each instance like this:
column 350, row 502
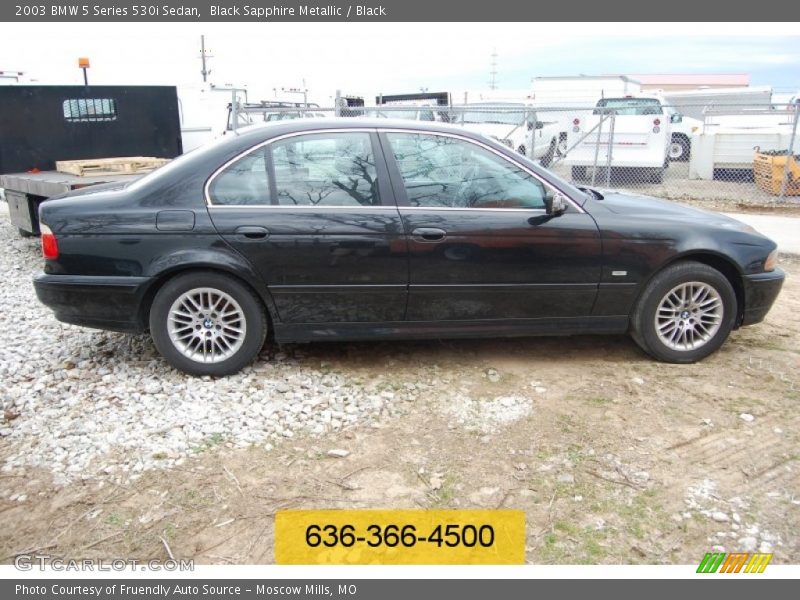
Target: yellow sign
column 400, row 537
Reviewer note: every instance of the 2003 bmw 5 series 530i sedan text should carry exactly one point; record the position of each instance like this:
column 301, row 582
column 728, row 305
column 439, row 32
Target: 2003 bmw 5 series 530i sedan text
column 352, row 229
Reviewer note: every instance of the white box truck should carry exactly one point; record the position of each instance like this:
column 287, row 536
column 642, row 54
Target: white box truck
column 642, row 133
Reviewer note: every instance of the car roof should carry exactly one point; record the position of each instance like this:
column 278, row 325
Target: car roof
column 256, row 133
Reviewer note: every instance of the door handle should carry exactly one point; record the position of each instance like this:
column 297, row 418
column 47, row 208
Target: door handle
column 429, row 234
column 252, row 232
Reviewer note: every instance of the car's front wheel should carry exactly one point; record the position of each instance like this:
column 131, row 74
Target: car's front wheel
column 206, row 323
column 685, row 313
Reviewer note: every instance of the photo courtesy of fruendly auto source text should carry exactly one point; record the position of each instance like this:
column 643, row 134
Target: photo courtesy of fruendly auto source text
column 399, row 299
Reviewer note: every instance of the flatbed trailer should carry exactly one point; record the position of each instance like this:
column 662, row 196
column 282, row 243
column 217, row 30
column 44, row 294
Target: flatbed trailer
column 24, row 193
column 43, row 124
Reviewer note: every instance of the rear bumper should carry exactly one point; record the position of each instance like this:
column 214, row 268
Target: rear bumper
column 760, row 292
column 111, row 303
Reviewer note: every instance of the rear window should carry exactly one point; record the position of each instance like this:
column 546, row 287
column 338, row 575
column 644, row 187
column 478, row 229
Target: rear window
column 630, row 106
column 87, row 110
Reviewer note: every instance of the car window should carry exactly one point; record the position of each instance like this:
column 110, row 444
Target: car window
column 326, row 169
column 243, row 182
column 449, row 172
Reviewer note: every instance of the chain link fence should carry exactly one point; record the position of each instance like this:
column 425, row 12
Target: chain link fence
column 728, row 154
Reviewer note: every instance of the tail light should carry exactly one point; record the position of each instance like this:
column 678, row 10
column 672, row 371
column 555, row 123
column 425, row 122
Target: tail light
column 656, row 122
column 49, row 243
column 576, row 125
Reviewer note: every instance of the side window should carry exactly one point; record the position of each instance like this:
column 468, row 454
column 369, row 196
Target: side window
column 326, row 169
column 244, row 182
column 448, row 172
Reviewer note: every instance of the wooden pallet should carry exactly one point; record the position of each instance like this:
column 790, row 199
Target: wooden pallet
column 106, row 166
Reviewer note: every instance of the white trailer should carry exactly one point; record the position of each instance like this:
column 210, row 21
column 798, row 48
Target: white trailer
column 729, row 138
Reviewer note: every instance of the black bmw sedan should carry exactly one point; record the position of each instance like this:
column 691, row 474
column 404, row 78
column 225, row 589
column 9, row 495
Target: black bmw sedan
column 350, row 229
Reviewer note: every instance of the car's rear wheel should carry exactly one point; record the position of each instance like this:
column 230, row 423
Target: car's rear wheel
column 206, row 323
column 685, row 313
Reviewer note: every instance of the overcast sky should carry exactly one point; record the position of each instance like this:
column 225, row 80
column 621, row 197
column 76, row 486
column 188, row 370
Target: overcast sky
column 394, row 57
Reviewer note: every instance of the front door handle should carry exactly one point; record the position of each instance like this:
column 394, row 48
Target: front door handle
column 429, row 234
column 252, row 232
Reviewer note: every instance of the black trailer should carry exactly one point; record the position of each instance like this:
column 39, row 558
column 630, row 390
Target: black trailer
column 42, row 124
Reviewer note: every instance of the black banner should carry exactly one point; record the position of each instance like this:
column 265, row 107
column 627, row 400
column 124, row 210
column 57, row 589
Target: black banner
column 396, row 589
column 393, row 10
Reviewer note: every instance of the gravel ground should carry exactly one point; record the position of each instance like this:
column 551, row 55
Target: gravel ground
column 82, row 402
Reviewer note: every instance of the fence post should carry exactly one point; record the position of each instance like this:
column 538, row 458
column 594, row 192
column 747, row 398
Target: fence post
column 337, row 104
column 603, row 117
column 789, row 153
column 610, row 148
column 532, row 141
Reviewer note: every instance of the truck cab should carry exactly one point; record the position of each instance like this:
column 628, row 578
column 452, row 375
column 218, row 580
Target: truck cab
column 514, row 124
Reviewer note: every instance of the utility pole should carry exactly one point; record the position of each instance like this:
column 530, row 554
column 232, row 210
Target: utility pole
column 203, row 56
column 493, row 71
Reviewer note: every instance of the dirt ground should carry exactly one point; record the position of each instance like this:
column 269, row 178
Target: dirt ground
column 616, row 459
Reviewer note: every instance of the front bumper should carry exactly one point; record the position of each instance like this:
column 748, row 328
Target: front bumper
column 100, row 302
column 760, row 292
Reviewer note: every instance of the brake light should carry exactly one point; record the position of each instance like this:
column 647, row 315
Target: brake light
column 656, row 122
column 576, row 121
column 49, row 243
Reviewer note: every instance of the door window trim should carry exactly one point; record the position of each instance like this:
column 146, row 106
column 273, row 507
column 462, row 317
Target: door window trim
column 384, row 184
column 386, row 167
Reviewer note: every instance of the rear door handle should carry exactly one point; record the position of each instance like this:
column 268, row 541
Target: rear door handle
column 252, row 232
column 429, row 234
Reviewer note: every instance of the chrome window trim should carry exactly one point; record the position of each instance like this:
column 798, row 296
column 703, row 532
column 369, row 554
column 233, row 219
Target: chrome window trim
column 370, row 130
column 210, row 180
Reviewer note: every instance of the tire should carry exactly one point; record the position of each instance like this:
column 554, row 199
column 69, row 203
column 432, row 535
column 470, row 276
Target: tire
column 230, row 343
column 551, row 152
column 679, row 148
column 671, row 342
column 578, row 173
column 522, row 150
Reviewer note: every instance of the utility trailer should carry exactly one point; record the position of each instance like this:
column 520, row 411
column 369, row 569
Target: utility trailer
column 42, row 124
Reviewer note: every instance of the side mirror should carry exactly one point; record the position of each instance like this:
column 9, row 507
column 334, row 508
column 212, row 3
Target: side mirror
column 555, row 203
column 676, row 118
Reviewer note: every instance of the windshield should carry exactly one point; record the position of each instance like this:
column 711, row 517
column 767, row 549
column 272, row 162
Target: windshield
column 504, row 116
column 631, row 106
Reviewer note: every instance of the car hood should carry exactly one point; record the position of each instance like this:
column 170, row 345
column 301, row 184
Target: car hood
column 640, row 206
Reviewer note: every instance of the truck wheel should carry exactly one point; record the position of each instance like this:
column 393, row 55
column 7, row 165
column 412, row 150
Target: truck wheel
column 679, row 148
column 206, row 323
column 685, row 313
column 578, row 173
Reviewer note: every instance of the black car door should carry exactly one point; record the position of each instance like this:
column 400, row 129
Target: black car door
column 315, row 215
column 480, row 243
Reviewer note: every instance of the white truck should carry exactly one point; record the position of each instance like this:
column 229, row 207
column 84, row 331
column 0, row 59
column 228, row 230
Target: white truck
column 642, row 134
column 514, row 124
